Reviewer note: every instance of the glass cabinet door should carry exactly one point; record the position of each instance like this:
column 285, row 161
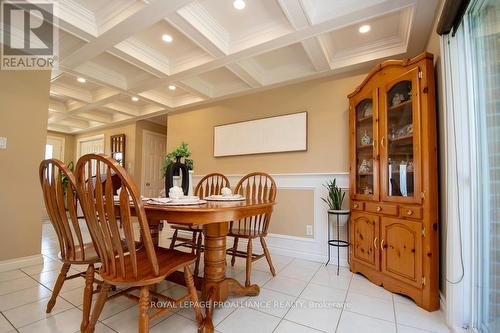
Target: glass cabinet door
column 400, row 140
column 364, row 141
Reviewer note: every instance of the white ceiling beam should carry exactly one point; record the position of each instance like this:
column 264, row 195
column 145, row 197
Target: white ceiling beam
column 122, row 108
column 105, row 94
column 157, row 97
column 142, row 19
column 317, row 54
column 282, row 41
column 73, row 106
column 194, row 15
column 294, row 13
column 192, row 91
column 57, row 106
column 102, row 117
column 72, row 122
column 59, row 89
column 197, row 22
column 313, row 46
column 60, row 128
column 141, row 56
column 197, row 84
column 244, row 74
column 207, row 44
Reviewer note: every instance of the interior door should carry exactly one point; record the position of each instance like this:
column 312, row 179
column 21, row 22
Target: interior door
column 91, row 145
column 154, row 146
column 401, row 247
column 400, row 155
column 364, row 232
column 364, row 145
column 54, row 148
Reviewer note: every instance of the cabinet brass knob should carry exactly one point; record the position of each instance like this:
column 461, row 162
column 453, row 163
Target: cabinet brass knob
column 409, row 212
column 355, row 205
column 375, row 243
column 379, row 208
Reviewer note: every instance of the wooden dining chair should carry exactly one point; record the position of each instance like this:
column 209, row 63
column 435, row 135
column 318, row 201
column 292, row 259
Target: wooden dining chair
column 134, row 266
column 61, row 202
column 257, row 186
column 209, row 185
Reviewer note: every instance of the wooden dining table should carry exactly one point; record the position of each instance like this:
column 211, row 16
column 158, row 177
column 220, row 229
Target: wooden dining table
column 215, row 217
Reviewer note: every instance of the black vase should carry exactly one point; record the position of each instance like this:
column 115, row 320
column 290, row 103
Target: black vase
column 177, row 169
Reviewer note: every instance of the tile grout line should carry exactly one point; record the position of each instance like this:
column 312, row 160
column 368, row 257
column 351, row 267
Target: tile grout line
column 345, row 301
column 261, row 287
column 297, row 297
column 7, row 319
column 394, row 310
column 52, row 315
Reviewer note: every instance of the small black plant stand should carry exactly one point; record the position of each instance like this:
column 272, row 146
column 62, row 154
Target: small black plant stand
column 337, row 242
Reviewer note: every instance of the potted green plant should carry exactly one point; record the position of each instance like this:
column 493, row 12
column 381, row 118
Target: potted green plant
column 335, row 198
column 179, row 153
column 182, row 151
column 65, row 182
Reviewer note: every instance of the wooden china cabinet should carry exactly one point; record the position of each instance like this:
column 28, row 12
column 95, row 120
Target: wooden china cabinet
column 393, row 179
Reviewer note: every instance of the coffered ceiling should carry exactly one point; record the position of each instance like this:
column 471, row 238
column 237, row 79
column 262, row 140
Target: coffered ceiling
column 213, row 51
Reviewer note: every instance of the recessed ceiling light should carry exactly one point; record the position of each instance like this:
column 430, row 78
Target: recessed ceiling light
column 239, row 4
column 167, row 38
column 81, row 80
column 135, row 98
column 172, row 87
column 364, row 28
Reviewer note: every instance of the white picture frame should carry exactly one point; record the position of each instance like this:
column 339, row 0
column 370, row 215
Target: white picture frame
column 285, row 133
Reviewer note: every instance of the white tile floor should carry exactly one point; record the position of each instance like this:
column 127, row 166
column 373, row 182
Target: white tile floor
column 304, row 297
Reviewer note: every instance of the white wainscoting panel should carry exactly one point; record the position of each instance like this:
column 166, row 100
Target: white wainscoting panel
column 316, row 248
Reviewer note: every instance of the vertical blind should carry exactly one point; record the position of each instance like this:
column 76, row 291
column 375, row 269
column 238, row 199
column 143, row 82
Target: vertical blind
column 485, row 33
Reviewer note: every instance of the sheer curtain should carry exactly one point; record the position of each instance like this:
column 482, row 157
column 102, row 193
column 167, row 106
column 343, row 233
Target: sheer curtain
column 484, row 18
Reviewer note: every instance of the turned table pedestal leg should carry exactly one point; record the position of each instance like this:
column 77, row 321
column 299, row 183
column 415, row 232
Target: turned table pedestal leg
column 216, row 287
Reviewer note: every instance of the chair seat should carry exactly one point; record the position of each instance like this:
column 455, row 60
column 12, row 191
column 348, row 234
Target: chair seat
column 89, row 251
column 245, row 233
column 168, row 261
column 91, row 256
column 186, row 227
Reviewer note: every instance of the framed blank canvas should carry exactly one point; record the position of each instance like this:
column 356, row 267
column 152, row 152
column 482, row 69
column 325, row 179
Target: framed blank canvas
column 267, row 135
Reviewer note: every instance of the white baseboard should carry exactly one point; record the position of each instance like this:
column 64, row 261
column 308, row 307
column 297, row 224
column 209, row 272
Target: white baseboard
column 16, row 263
column 284, row 251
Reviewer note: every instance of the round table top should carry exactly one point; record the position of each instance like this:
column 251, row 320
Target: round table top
column 210, row 212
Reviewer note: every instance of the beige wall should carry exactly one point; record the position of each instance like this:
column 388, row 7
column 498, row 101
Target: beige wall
column 327, row 105
column 133, row 149
column 24, row 100
column 130, row 144
column 433, row 46
column 69, row 145
column 294, row 210
column 326, row 102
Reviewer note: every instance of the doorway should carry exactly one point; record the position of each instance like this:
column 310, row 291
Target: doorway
column 54, row 148
column 91, row 144
column 154, row 146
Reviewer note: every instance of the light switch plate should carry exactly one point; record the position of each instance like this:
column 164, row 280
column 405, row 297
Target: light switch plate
column 3, row 142
column 309, row 230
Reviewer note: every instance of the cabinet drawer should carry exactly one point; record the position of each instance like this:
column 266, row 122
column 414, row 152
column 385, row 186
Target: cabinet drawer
column 411, row 212
column 357, row 205
column 380, row 208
